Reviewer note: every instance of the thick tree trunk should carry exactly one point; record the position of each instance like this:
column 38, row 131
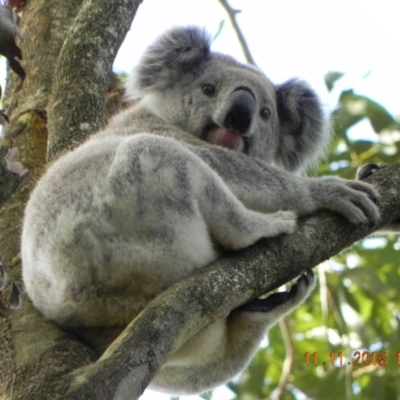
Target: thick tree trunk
column 44, row 26
column 34, row 353
column 39, row 361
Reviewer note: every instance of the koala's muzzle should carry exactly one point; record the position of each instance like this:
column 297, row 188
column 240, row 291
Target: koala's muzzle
column 234, row 121
column 240, row 111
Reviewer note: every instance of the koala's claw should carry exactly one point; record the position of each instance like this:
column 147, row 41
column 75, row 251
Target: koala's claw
column 366, row 188
column 296, row 295
column 306, row 279
column 305, row 283
column 354, row 199
column 367, row 204
column 363, row 208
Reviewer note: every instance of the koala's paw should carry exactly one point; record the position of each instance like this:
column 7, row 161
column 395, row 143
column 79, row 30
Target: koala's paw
column 285, row 301
column 282, row 222
column 361, row 203
column 367, row 170
column 354, row 199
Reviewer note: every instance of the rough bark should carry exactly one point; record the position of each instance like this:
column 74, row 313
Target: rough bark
column 34, row 353
column 44, row 26
column 83, row 71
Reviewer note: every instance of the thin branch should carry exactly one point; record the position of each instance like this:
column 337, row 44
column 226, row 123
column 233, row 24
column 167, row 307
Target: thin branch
column 129, row 364
column 323, row 295
column 334, row 310
column 288, row 362
column 243, row 43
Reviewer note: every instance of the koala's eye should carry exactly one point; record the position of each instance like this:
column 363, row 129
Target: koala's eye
column 208, row 90
column 265, row 113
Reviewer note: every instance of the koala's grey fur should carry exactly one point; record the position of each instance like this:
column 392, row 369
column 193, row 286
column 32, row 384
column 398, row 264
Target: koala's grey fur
column 206, row 159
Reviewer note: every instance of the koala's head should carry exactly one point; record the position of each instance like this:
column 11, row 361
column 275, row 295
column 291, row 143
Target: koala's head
column 227, row 103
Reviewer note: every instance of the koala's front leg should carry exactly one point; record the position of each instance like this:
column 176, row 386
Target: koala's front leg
column 364, row 172
column 224, row 348
column 262, row 187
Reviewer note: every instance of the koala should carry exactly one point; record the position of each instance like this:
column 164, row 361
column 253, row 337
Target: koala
column 364, row 172
column 209, row 158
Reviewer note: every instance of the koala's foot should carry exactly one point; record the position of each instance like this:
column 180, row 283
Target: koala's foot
column 367, row 170
column 281, row 303
column 249, row 226
column 281, row 222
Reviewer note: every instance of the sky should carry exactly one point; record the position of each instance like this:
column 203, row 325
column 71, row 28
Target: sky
column 290, row 38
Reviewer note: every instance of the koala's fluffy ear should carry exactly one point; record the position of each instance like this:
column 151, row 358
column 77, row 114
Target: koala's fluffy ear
column 178, row 51
column 304, row 129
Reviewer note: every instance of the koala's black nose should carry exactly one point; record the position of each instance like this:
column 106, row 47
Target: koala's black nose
column 240, row 111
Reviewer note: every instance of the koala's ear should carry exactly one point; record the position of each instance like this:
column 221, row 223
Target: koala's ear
column 304, row 129
column 180, row 50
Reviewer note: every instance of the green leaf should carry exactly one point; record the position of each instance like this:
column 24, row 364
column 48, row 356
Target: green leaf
column 353, row 108
column 331, row 77
column 220, row 27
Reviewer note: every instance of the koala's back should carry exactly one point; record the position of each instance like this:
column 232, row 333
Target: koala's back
column 102, row 233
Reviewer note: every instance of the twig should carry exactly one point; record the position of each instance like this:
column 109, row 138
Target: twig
column 288, row 363
column 232, row 16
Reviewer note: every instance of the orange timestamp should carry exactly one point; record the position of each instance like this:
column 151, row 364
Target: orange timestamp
column 358, row 359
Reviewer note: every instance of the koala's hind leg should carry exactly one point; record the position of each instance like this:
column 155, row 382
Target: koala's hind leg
column 224, row 348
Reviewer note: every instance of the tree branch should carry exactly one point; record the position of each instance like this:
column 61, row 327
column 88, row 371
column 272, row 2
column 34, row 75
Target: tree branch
column 279, row 392
column 9, row 181
column 242, row 40
column 36, row 356
column 131, row 361
column 82, row 72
